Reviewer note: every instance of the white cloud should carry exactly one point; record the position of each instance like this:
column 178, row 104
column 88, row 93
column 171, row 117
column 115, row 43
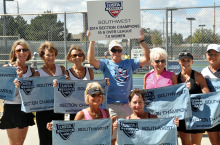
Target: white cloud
column 168, row 3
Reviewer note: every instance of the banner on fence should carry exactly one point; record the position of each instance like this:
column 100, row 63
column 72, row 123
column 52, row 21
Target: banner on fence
column 171, row 101
column 117, row 19
column 7, row 87
column 82, row 132
column 69, row 95
column 147, row 132
column 205, row 111
column 37, row 93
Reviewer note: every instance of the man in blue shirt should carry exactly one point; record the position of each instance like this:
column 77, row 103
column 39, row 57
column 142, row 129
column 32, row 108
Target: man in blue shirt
column 119, row 73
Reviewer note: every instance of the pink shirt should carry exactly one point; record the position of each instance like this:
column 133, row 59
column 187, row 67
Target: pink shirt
column 162, row 81
column 88, row 117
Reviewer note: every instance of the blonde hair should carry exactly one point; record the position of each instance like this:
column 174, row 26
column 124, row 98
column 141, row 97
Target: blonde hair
column 77, row 48
column 23, row 43
column 91, row 85
column 157, row 52
column 49, row 46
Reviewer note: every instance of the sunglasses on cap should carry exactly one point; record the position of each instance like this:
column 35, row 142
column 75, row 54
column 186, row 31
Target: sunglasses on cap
column 158, row 61
column 99, row 95
column 75, row 55
column 113, row 50
column 24, row 50
column 185, row 54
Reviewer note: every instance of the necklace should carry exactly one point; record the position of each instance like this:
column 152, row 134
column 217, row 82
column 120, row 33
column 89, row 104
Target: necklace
column 141, row 115
column 51, row 70
column 94, row 114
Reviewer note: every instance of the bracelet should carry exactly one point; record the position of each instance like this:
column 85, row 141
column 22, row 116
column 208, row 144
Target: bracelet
column 141, row 41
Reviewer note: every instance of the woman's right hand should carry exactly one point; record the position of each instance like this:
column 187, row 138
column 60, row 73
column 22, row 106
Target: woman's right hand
column 49, row 126
column 54, row 83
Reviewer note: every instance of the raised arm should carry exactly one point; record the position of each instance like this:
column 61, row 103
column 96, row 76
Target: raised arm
column 145, row 49
column 91, row 54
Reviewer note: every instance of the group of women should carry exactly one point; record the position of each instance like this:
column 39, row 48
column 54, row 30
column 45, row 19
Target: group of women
column 16, row 122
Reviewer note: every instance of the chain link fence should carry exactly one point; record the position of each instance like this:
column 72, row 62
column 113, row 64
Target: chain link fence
column 174, row 29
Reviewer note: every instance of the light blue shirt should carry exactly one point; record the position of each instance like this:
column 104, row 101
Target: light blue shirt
column 120, row 77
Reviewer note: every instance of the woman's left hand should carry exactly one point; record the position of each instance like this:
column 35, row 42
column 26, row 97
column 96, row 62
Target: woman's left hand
column 17, row 83
column 115, row 125
column 19, row 72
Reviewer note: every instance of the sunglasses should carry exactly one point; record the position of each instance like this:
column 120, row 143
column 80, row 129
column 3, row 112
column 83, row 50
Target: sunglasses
column 115, row 50
column 185, row 54
column 24, row 50
column 75, row 55
column 212, row 55
column 99, row 95
column 158, row 61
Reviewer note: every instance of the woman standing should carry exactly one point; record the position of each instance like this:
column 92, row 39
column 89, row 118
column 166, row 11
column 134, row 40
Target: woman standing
column 14, row 120
column 196, row 84
column 48, row 53
column 159, row 77
column 213, row 71
column 77, row 71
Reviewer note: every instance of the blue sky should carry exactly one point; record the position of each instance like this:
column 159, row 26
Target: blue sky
column 39, row 6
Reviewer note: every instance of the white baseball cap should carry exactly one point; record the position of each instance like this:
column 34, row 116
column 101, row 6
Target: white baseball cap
column 114, row 43
column 213, row 47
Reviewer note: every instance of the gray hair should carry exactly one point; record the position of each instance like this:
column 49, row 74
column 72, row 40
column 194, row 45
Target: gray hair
column 157, row 52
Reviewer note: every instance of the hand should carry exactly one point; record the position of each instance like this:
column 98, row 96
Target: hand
column 107, row 82
column 19, row 71
column 67, row 77
column 188, row 85
column 49, row 126
column 54, row 83
column 88, row 33
column 113, row 118
column 142, row 35
column 115, row 125
column 17, row 83
column 176, row 121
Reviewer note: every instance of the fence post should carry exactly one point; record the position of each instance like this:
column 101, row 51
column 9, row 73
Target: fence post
column 65, row 41
column 167, row 37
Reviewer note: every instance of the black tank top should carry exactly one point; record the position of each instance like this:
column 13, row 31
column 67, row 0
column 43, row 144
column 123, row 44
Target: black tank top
column 195, row 89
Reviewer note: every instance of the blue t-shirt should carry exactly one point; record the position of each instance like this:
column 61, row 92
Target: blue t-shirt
column 120, row 77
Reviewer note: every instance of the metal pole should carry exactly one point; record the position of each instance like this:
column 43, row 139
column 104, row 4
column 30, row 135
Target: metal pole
column 86, row 29
column 171, row 35
column 167, row 37
column 191, row 35
column 65, row 41
column 4, row 27
column 214, row 26
column 202, row 39
column 191, row 19
column 17, row 7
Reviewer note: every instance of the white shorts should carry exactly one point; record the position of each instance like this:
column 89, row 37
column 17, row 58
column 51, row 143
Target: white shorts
column 121, row 110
